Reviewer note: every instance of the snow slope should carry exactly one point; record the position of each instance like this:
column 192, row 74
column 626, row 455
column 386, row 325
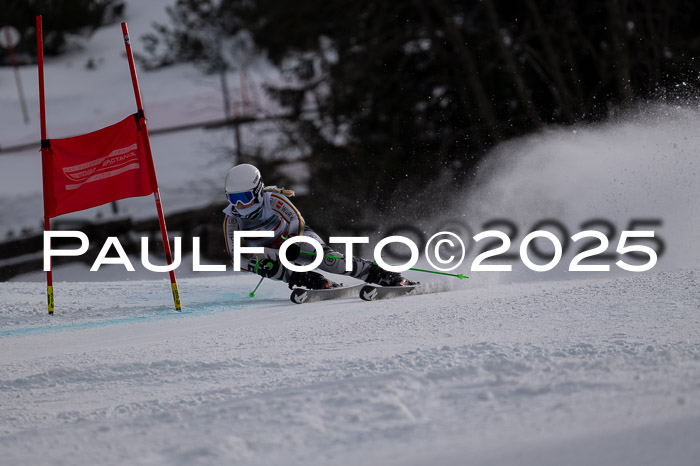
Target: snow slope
column 603, row 371
column 552, row 368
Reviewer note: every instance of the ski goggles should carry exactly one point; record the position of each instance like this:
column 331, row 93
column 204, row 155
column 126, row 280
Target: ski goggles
column 245, row 197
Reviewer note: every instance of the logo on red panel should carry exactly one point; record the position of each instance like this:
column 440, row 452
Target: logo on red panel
column 116, row 162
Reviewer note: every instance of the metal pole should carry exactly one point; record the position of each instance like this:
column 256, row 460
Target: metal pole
column 18, row 80
column 226, row 96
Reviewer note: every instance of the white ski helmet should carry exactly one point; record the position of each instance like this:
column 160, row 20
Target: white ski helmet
column 244, row 189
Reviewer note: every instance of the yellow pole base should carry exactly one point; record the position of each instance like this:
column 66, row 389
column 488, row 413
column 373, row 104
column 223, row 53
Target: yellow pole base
column 49, row 295
column 176, row 297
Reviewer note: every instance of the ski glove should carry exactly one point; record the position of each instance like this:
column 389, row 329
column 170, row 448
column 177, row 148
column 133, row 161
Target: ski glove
column 267, row 268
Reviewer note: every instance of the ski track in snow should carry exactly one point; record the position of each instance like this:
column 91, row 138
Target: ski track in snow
column 495, row 374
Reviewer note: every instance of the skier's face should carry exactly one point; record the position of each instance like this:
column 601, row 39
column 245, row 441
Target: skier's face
column 253, row 211
column 242, row 201
column 247, row 202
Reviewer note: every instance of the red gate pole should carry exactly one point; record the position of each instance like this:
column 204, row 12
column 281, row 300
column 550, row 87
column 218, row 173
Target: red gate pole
column 46, row 162
column 143, row 129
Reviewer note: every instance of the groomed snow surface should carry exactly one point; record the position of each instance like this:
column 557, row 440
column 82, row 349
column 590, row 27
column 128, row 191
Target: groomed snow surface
column 516, row 368
column 594, row 371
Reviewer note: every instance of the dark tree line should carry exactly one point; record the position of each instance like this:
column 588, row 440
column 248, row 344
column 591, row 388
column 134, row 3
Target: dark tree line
column 409, row 95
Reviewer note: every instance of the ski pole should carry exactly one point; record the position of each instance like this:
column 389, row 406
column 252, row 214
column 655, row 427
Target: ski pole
column 460, row 276
column 252, row 293
column 325, row 255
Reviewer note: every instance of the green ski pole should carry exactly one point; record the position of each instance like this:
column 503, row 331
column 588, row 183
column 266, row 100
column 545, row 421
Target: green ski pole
column 252, row 293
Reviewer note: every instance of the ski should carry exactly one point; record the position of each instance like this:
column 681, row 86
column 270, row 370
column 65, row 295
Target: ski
column 302, row 295
column 374, row 293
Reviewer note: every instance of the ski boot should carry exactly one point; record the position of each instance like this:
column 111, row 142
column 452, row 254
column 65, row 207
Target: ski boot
column 311, row 281
column 381, row 277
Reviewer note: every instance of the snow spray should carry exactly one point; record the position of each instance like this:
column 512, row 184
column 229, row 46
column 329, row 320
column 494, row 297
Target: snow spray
column 643, row 166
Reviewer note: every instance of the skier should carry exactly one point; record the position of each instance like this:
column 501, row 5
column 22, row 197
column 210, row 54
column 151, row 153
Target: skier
column 254, row 207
